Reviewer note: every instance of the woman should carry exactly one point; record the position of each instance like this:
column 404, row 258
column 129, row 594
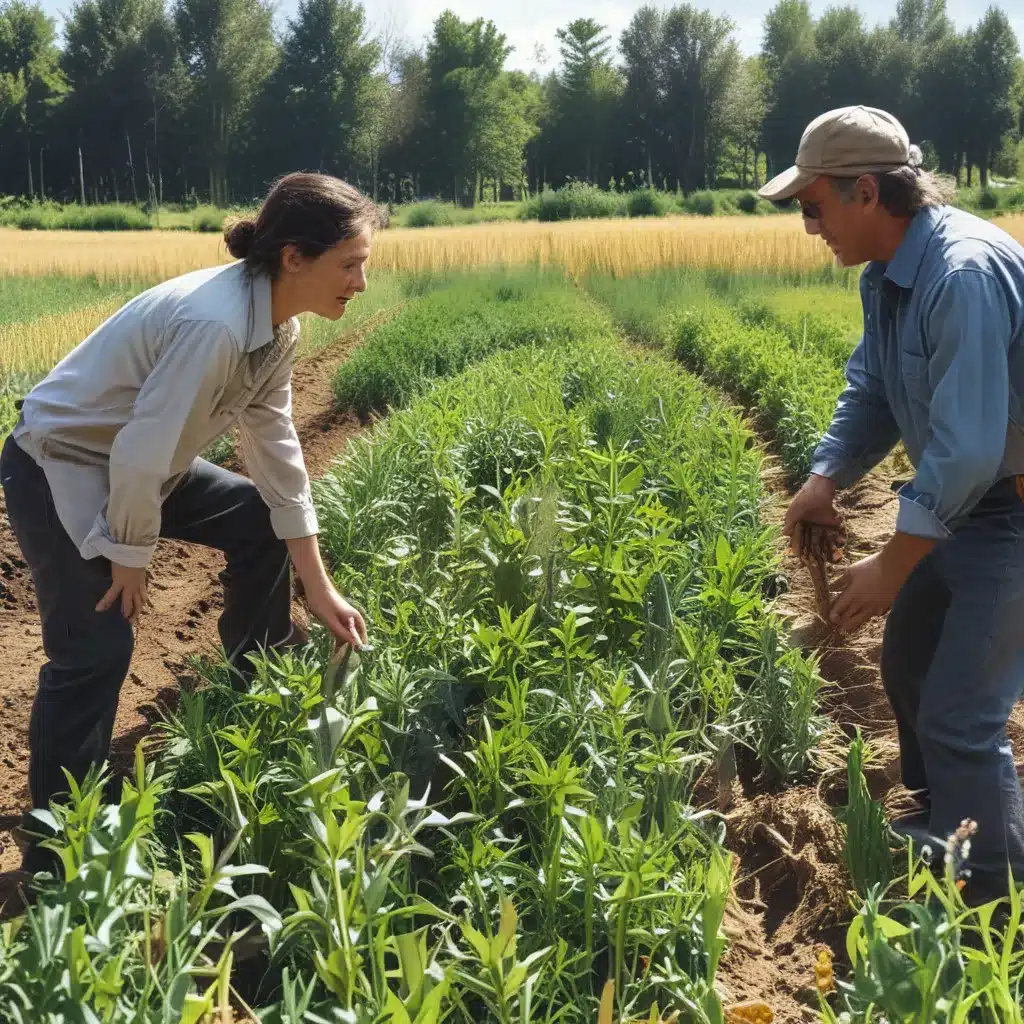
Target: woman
column 104, row 461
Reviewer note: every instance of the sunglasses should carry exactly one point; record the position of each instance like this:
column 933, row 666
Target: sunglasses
column 811, row 211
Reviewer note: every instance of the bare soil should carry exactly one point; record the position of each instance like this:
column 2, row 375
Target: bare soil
column 791, row 890
column 187, row 599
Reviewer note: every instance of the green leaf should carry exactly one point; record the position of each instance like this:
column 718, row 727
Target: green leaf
column 477, row 940
column 204, row 844
column 430, row 1011
column 506, row 931
column 632, row 480
column 411, row 948
column 395, row 1010
column 195, row 1008
column 723, row 553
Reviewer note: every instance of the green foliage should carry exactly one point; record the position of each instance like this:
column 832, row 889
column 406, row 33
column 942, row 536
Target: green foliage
column 793, row 391
column 430, row 214
column 868, row 857
column 704, row 204
column 749, row 202
column 24, row 298
column 647, row 202
column 575, row 201
column 52, row 217
column 488, row 813
column 929, row 959
column 988, row 199
column 132, row 933
column 467, row 319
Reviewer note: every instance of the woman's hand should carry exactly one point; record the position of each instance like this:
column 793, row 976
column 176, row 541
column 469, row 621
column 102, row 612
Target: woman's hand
column 340, row 617
column 323, row 600
column 130, row 585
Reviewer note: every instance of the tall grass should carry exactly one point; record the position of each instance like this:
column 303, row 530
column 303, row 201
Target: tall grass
column 619, row 247
column 24, row 298
column 39, row 344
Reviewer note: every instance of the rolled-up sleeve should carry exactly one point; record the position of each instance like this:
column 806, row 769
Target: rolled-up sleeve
column 967, row 324
column 196, row 359
column 863, row 430
column 273, row 458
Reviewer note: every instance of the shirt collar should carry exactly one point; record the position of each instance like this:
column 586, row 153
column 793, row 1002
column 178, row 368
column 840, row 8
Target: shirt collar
column 262, row 322
column 903, row 268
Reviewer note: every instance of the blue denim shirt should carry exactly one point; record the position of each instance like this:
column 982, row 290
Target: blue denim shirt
column 940, row 366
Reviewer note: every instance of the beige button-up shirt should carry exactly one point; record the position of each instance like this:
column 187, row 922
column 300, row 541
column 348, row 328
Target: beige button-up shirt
column 119, row 420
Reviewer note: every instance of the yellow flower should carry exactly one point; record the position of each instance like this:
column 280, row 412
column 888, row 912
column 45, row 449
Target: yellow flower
column 824, row 977
column 749, row 1013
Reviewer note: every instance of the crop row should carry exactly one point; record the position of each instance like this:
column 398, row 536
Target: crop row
column 561, row 556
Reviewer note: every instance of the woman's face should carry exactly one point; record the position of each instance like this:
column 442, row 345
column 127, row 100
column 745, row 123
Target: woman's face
column 326, row 284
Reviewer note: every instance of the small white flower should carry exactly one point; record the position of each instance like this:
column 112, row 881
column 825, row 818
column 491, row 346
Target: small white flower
column 965, row 850
column 926, row 852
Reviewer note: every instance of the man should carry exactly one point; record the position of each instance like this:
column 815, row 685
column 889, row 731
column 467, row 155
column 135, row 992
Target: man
column 940, row 367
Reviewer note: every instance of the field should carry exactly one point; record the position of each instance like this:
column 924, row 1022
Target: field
column 603, row 761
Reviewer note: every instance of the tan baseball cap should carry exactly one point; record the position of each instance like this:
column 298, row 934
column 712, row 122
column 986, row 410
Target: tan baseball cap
column 844, row 143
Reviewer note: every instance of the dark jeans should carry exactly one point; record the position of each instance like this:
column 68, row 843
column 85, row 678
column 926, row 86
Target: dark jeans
column 953, row 668
column 89, row 652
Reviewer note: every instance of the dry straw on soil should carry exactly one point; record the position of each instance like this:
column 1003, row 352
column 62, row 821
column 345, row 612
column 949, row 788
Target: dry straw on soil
column 620, row 246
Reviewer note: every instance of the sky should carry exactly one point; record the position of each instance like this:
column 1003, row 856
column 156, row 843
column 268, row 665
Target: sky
column 530, row 24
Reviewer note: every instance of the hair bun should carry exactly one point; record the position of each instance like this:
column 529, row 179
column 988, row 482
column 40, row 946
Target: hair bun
column 915, row 159
column 239, row 238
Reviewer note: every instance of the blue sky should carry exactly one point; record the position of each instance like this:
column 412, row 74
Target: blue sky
column 528, row 23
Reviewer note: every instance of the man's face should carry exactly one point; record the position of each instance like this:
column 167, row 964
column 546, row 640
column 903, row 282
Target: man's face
column 845, row 225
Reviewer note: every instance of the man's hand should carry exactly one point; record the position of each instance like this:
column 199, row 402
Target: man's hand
column 341, row 618
column 868, row 588
column 813, row 503
column 130, row 585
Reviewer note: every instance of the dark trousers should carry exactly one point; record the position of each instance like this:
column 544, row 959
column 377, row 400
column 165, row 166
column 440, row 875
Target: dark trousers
column 88, row 652
column 953, row 668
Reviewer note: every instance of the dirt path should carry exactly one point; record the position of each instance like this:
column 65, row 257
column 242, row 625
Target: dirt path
column 186, row 596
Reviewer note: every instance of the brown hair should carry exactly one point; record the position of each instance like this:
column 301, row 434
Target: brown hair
column 313, row 212
column 906, row 190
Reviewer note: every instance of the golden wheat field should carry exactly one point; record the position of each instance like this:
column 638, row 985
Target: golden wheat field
column 37, row 345
column 618, row 246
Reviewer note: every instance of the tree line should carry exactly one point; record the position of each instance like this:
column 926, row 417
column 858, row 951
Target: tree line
column 202, row 100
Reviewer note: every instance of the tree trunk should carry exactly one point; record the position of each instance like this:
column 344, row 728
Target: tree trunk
column 42, row 180
column 746, row 159
column 983, row 169
column 117, row 192
column 31, row 183
column 131, row 167
column 970, row 172
column 81, row 175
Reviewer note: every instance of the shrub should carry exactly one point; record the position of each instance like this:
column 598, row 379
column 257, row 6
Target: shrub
column 749, row 202
column 988, row 199
column 647, row 202
column 575, row 201
column 429, row 214
column 704, row 204
column 208, row 218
